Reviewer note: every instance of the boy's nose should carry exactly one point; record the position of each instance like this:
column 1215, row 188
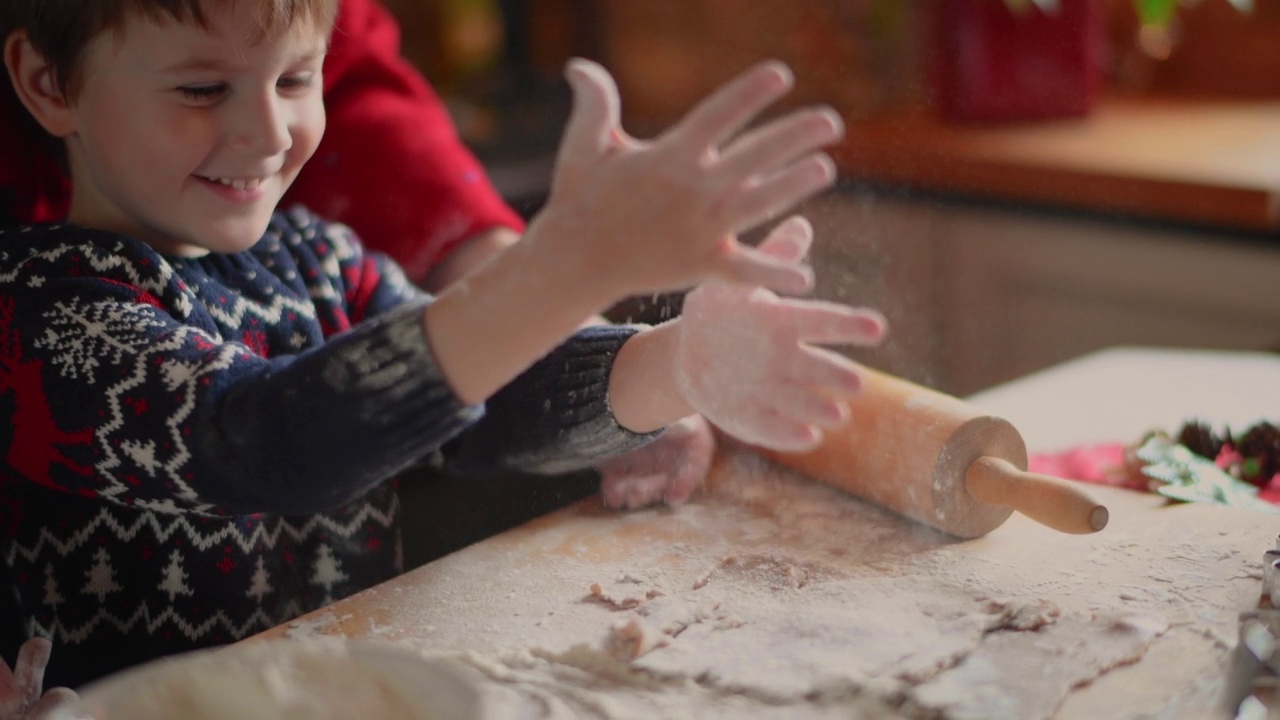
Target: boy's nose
column 262, row 126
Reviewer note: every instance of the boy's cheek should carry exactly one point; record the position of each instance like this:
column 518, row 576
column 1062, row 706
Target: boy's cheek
column 312, row 130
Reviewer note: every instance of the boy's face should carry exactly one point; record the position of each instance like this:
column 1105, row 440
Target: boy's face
column 187, row 138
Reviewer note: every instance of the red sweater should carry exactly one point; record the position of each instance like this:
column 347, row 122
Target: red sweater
column 390, row 165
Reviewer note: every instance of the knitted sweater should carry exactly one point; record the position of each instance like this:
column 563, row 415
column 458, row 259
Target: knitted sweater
column 199, row 449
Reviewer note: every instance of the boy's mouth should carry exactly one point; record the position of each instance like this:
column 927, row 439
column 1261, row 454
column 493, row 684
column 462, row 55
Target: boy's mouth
column 235, row 183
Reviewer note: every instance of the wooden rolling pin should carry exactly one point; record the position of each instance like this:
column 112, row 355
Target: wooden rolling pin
column 940, row 461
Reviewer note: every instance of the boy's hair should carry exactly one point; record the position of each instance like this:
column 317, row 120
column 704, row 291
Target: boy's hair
column 61, row 30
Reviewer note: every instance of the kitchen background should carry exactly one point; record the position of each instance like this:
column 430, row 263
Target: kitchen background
column 1023, row 181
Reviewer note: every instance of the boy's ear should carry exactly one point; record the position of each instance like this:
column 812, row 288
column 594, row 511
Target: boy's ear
column 34, row 82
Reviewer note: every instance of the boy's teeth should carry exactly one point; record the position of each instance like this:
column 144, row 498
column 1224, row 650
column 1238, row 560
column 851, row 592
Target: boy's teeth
column 239, row 184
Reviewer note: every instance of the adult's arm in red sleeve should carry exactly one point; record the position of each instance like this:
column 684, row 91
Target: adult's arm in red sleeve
column 391, row 164
column 33, row 186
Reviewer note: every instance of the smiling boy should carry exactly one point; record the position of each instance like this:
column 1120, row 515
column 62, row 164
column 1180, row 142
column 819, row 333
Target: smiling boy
column 207, row 396
column 186, row 139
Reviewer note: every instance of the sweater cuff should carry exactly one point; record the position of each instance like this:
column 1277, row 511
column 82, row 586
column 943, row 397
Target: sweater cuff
column 555, row 417
column 579, row 402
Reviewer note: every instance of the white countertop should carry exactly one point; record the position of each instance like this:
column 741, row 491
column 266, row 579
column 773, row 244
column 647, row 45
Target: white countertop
column 1118, row 394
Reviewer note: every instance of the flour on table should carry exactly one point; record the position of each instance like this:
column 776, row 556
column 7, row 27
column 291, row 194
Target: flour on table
column 624, row 593
column 776, row 597
column 1027, row 675
column 784, row 632
column 313, row 627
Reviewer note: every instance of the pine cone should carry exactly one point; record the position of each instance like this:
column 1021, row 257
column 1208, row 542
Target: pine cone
column 1198, row 437
column 1260, row 447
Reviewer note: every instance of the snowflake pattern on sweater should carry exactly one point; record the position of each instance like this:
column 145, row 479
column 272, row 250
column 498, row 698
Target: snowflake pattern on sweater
column 199, row 448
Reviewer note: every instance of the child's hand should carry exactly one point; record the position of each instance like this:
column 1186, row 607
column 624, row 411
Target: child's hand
column 640, row 217
column 666, row 470
column 746, row 363
column 20, row 697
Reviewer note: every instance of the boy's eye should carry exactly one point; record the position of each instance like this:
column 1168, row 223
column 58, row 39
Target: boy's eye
column 202, row 93
column 295, row 82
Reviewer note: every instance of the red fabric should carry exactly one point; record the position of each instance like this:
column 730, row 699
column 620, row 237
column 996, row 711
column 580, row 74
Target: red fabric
column 1104, row 463
column 33, row 187
column 390, row 165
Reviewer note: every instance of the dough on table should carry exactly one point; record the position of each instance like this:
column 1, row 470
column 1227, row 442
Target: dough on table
column 315, row 679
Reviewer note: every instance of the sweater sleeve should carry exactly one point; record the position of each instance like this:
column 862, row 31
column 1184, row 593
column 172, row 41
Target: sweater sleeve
column 555, row 417
column 391, row 164
column 188, row 423
column 115, row 394
column 119, row 386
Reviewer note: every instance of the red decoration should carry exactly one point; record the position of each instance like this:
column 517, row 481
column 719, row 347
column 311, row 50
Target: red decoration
column 998, row 64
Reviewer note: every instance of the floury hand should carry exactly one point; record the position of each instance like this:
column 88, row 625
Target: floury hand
column 648, row 216
column 747, row 359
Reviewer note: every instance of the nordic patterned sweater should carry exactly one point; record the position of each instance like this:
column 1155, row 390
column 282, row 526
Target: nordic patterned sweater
column 199, row 449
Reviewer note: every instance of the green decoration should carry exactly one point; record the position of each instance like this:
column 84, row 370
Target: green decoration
column 1150, row 12
column 1188, row 477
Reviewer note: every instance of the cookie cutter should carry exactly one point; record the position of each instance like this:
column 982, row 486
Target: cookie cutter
column 1255, row 662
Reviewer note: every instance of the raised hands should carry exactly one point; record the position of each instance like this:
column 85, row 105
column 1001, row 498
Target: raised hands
column 649, row 216
column 20, row 688
column 747, row 360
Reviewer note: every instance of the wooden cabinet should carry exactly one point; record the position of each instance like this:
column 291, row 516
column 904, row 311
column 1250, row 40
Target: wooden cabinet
column 980, row 294
column 881, row 251
column 1024, row 291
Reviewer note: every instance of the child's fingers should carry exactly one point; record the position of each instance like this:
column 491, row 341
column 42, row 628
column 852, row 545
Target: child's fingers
column 821, row 368
column 33, row 656
column 728, row 109
column 789, row 241
column 803, row 404
column 765, row 427
column 772, row 147
column 633, row 492
column 829, row 323
column 791, row 436
column 52, row 701
column 596, row 113
column 761, row 201
column 12, row 699
column 682, row 485
column 646, row 491
column 749, row 266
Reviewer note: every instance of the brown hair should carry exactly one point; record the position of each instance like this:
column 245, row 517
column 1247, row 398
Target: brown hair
column 60, row 30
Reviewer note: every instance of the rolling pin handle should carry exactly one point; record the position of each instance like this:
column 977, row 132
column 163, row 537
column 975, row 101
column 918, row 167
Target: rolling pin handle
column 1050, row 501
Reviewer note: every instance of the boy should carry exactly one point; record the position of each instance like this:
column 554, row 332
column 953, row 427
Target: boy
column 208, row 395
column 380, row 112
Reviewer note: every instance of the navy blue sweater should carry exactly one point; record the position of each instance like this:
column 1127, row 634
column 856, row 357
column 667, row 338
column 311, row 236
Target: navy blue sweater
column 199, row 449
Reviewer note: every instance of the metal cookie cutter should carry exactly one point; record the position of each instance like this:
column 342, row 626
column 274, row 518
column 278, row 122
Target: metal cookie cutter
column 1271, row 577
column 1252, row 688
column 1253, row 680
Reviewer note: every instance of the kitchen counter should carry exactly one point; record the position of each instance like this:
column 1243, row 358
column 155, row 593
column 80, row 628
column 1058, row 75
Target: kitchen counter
column 1202, row 163
column 770, row 596
column 1209, row 164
